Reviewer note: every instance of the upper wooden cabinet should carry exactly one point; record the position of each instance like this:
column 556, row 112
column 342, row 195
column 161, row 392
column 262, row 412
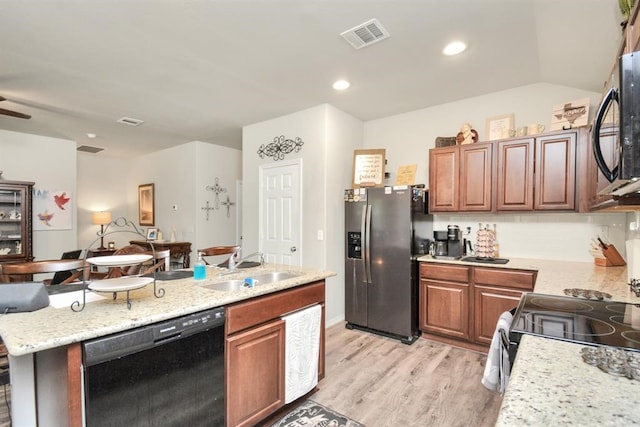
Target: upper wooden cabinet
column 460, row 178
column 532, row 173
column 515, row 175
column 16, row 229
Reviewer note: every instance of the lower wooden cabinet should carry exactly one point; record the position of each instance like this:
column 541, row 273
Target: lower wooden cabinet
column 464, row 303
column 444, row 304
column 255, row 373
column 255, row 352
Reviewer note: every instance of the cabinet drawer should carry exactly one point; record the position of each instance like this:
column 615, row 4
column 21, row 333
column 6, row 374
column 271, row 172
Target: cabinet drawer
column 444, row 272
column 517, row 279
column 262, row 309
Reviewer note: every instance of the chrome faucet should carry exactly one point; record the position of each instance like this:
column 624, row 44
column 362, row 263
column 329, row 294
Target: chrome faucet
column 260, row 256
column 233, row 264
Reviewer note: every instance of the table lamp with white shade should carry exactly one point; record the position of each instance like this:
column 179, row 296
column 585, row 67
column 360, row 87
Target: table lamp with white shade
column 101, row 218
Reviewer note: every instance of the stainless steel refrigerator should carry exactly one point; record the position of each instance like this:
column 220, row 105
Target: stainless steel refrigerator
column 386, row 229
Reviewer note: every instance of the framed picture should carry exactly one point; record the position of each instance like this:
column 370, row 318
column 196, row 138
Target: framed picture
column 146, row 210
column 368, row 168
column 498, row 127
column 152, row 233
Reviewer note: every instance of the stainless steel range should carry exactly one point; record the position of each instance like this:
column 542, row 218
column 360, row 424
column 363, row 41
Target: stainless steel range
column 581, row 320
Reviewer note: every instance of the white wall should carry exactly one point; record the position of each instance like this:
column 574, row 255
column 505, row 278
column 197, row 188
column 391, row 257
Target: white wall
column 329, row 136
column 102, row 186
column 51, row 164
column 408, row 137
column 180, row 175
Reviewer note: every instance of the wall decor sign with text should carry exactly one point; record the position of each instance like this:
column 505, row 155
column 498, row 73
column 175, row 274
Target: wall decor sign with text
column 570, row 114
column 368, row 168
column 52, row 209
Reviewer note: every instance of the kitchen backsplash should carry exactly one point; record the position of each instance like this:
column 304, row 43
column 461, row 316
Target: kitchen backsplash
column 557, row 236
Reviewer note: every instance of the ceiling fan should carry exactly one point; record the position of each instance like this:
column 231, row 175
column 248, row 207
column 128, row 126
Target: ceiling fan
column 12, row 113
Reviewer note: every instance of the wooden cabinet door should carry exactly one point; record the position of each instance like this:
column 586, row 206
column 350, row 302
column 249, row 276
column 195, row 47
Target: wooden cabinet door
column 444, row 308
column 255, row 373
column 476, row 177
column 555, row 183
column 515, row 175
column 489, row 303
column 444, row 179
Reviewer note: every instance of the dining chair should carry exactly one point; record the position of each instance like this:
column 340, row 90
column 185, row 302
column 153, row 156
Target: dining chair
column 218, row 250
column 16, row 272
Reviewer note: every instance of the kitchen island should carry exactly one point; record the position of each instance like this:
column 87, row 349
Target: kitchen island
column 52, row 335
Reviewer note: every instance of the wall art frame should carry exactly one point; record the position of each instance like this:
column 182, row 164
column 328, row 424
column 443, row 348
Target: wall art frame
column 146, row 204
column 499, row 127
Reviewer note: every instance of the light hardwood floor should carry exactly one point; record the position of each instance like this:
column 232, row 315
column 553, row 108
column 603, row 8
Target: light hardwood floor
column 381, row 382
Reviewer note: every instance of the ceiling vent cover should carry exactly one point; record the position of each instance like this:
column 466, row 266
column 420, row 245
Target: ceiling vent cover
column 89, row 149
column 129, row 121
column 365, row 34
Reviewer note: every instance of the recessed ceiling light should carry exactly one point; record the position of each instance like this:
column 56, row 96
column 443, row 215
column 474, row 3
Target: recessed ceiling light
column 341, row 85
column 454, row 48
column 91, row 135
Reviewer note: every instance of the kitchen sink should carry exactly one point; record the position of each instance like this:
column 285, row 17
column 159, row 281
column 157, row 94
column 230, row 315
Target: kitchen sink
column 274, row 276
column 227, row 285
column 260, row 279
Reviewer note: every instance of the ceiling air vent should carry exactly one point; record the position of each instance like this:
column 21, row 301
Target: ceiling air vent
column 365, row 34
column 129, row 121
column 89, row 149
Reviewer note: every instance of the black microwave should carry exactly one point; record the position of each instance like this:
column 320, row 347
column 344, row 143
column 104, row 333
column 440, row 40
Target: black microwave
column 620, row 112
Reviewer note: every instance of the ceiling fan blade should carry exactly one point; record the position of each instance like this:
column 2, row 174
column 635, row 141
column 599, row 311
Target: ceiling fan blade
column 2, row 98
column 14, row 114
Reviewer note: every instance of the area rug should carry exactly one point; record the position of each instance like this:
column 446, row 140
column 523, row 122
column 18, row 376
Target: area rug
column 313, row 414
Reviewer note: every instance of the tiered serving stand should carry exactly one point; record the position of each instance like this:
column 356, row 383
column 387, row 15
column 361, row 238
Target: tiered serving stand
column 119, row 284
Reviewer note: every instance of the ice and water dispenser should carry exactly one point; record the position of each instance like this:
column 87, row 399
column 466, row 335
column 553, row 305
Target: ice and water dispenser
column 354, row 246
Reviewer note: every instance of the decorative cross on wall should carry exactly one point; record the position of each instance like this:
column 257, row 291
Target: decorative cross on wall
column 228, row 204
column 208, row 208
column 217, row 189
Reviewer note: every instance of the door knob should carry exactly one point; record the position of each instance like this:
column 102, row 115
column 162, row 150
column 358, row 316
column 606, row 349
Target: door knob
column 293, row 249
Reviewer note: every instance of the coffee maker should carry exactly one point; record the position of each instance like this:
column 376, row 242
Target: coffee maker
column 455, row 243
column 440, row 249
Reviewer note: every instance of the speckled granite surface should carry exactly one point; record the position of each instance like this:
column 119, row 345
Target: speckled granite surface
column 550, row 385
column 25, row 333
column 555, row 276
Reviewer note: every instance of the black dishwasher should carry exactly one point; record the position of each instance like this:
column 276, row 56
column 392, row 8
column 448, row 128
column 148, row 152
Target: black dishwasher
column 166, row 374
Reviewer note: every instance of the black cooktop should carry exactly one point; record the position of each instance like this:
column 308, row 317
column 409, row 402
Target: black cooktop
column 581, row 320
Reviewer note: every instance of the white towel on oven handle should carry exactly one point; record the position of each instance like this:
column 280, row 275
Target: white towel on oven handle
column 498, row 368
column 302, row 349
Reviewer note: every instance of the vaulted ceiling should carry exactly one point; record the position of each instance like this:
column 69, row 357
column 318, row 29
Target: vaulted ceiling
column 202, row 69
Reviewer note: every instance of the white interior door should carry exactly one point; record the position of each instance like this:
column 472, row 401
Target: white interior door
column 280, row 205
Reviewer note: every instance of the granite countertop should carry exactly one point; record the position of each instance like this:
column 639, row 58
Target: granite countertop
column 551, row 385
column 554, row 277
column 50, row 327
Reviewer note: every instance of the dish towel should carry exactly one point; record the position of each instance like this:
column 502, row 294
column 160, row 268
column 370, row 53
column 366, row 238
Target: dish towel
column 497, row 369
column 302, row 348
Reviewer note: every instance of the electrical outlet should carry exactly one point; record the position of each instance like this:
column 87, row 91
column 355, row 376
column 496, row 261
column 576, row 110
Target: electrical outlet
column 320, row 235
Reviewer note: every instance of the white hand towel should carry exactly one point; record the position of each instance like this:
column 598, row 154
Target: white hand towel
column 302, row 348
column 497, row 369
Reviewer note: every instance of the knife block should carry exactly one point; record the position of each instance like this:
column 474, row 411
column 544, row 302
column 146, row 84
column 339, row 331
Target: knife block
column 612, row 258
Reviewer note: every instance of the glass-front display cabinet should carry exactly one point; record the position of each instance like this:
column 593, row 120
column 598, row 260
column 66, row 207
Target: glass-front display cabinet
column 16, row 229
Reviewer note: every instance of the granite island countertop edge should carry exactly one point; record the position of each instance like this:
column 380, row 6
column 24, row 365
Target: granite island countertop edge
column 47, row 328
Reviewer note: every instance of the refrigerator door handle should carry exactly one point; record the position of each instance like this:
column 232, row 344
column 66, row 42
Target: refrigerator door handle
column 363, row 233
column 367, row 246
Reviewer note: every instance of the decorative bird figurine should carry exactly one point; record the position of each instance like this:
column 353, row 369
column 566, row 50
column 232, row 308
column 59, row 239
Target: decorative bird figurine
column 45, row 217
column 61, row 200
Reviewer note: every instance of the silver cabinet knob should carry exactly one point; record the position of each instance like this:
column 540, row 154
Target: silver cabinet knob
column 293, row 249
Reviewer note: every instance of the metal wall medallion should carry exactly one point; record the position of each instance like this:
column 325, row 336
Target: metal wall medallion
column 279, row 147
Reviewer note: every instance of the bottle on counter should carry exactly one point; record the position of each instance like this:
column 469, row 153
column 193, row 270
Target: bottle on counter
column 199, row 268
